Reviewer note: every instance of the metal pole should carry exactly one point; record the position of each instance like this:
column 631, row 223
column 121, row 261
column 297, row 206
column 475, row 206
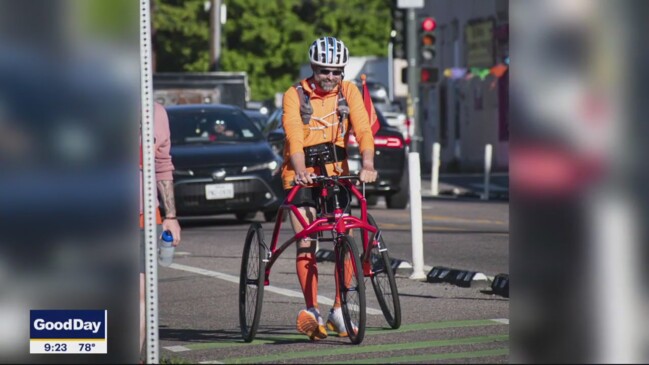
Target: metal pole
column 215, row 35
column 413, row 85
column 149, row 187
column 390, row 71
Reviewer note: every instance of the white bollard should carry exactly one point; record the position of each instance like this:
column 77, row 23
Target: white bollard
column 416, row 225
column 487, row 171
column 434, row 174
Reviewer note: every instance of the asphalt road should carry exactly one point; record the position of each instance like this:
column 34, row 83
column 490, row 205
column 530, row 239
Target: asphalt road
column 441, row 322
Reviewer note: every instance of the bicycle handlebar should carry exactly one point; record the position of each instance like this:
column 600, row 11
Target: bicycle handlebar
column 322, row 178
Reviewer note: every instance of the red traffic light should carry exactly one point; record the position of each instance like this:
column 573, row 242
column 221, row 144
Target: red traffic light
column 426, row 75
column 428, row 24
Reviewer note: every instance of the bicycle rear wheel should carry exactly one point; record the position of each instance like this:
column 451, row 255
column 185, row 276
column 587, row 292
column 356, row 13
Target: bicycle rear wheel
column 383, row 281
column 351, row 287
column 251, row 282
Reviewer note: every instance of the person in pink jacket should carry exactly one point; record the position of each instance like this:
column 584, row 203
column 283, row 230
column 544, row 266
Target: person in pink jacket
column 164, row 180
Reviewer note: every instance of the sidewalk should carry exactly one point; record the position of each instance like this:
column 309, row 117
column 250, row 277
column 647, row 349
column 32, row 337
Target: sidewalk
column 448, row 190
column 445, row 190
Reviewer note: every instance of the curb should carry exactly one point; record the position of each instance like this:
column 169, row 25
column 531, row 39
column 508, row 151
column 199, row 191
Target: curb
column 498, row 284
column 457, row 277
column 459, row 194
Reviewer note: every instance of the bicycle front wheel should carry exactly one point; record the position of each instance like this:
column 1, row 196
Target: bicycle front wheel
column 383, row 281
column 251, row 282
column 351, row 288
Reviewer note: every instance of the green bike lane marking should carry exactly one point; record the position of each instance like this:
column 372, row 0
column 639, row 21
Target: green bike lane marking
column 370, row 331
column 366, row 349
column 427, row 357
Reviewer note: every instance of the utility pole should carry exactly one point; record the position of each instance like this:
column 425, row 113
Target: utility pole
column 391, row 69
column 413, row 84
column 215, row 35
column 414, row 168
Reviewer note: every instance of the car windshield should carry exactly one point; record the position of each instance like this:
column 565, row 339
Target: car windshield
column 258, row 119
column 206, row 126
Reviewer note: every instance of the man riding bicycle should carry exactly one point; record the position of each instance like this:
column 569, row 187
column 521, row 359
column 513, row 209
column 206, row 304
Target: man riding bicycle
column 319, row 113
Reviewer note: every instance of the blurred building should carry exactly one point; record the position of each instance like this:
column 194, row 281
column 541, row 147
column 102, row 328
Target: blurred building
column 464, row 106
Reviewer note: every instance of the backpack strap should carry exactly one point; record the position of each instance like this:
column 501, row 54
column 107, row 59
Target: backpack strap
column 306, row 110
column 343, row 110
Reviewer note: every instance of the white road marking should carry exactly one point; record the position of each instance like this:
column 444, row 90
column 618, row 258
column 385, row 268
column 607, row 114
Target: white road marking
column 270, row 288
column 177, row 348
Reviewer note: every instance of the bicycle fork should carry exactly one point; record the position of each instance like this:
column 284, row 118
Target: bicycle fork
column 366, row 258
column 344, row 268
column 266, row 260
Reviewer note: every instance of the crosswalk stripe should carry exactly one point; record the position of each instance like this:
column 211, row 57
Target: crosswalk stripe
column 269, row 288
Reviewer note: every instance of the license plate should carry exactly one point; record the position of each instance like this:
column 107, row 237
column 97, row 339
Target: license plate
column 354, row 165
column 219, row 191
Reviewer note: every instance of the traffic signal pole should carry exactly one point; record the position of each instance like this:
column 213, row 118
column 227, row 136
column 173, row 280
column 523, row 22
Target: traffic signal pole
column 391, row 70
column 215, row 35
column 413, row 77
column 414, row 167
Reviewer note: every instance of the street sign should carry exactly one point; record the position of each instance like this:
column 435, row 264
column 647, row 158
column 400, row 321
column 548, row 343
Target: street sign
column 404, row 4
column 480, row 42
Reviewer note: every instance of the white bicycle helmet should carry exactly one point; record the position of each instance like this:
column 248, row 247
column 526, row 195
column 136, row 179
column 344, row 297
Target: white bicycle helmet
column 328, row 51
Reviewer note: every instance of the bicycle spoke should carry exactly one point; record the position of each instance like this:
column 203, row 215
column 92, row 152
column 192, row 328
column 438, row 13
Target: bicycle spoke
column 383, row 281
column 351, row 288
column 251, row 282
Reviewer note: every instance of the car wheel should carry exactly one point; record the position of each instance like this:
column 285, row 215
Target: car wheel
column 246, row 216
column 372, row 200
column 272, row 216
column 399, row 200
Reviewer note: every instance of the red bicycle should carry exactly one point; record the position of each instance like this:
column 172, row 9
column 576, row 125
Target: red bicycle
column 374, row 262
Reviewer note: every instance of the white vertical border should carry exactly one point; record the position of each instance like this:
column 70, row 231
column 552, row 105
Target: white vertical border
column 106, row 328
column 149, row 186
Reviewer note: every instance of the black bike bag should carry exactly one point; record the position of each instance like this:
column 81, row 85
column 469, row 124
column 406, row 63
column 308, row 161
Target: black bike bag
column 323, row 153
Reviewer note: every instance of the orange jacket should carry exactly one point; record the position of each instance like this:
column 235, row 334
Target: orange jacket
column 299, row 135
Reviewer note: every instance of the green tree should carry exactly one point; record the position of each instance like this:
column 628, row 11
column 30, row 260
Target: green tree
column 363, row 25
column 112, row 18
column 269, row 40
column 181, row 35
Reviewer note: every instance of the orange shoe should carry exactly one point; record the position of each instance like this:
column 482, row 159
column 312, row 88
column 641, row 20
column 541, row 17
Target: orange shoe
column 310, row 323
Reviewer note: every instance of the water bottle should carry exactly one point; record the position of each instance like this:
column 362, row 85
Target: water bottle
column 166, row 249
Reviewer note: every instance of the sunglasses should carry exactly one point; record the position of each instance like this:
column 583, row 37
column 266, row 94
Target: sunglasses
column 325, row 72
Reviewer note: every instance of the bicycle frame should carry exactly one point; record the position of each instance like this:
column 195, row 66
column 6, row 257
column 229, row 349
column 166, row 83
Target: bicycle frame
column 339, row 224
